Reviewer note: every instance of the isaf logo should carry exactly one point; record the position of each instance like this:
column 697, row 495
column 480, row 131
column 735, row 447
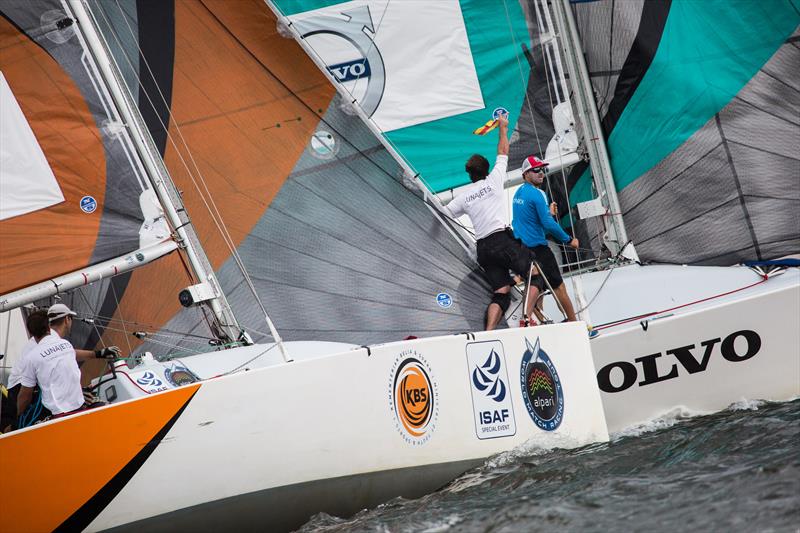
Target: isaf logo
column 541, row 387
column 413, row 397
column 487, row 375
column 150, row 383
column 491, row 401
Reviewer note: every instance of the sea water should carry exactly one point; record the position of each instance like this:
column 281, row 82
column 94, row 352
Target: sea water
column 737, row 470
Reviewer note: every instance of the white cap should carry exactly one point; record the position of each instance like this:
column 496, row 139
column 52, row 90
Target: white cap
column 59, row 311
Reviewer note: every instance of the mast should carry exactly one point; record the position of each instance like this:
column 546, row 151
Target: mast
column 225, row 324
column 615, row 237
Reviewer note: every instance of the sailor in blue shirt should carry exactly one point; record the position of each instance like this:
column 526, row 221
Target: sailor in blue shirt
column 533, row 219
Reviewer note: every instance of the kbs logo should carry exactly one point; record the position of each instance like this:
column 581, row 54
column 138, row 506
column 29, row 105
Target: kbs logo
column 541, row 388
column 491, row 403
column 413, row 398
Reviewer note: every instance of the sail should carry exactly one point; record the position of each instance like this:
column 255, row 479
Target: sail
column 73, row 192
column 700, row 121
column 337, row 245
column 701, row 126
column 440, row 69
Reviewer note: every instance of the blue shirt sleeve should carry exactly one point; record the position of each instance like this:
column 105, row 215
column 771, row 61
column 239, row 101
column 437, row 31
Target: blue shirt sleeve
column 548, row 222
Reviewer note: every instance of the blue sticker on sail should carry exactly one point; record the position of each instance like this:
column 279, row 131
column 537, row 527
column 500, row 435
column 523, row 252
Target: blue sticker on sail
column 541, row 388
column 499, row 111
column 88, row 204
column 444, row 300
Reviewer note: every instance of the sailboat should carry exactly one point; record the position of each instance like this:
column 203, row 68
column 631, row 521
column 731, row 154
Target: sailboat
column 699, row 171
column 297, row 200
column 254, row 427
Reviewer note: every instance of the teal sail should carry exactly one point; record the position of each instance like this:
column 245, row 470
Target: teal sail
column 698, row 103
column 699, row 110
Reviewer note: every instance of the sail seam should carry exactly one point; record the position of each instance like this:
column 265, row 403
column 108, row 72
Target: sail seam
column 737, row 97
column 756, row 148
column 675, row 177
column 338, row 239
column 738, row 183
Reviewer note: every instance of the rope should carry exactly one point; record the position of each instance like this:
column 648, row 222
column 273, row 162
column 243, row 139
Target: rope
column 695, row 302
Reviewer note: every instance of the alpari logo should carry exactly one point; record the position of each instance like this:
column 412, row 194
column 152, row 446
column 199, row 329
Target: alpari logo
column 180, row 375
column 413, row 398
column 356, row 61
column 748, row 347
column 488, row 375
column 541, row 388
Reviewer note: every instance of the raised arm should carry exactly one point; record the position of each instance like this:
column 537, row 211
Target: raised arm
column 502, row 143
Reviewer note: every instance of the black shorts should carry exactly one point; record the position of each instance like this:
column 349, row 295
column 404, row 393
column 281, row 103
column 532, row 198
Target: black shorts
column 500, row 252
column 548, row 264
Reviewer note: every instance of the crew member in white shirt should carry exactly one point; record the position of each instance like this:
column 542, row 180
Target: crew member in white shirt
column 54, row 367
column 498, row 251
column 38, row 327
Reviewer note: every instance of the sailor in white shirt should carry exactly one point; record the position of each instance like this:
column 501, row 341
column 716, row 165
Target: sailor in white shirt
column 38, row 327
column 498, row 251
column 54, row 366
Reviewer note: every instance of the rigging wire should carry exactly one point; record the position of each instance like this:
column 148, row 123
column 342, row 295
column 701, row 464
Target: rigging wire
column 444, row 213
column 548, row 81
column 209, row 203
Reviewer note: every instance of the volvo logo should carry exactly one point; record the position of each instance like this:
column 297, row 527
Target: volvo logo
column 648, row 370
column 367, row 64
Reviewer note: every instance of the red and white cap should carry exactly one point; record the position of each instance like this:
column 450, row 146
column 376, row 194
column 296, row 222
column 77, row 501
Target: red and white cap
column 532, row 162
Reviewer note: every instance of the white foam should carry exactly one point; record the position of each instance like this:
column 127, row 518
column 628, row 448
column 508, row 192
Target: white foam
column 534, row 447
column 663, row 421
column 449, row 522
column 746, row 405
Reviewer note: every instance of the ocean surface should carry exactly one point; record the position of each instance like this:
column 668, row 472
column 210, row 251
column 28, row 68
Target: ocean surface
column 737, row 470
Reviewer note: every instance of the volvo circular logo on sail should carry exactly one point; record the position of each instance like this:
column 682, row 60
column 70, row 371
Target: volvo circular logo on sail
column 444, row 300
column 88, row 204
column 413, row 397
column 355, row 62
column 541, row 388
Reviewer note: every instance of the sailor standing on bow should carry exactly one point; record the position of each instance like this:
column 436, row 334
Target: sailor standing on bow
column 498, row 251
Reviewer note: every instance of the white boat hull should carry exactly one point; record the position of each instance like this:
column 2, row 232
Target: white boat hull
column 272, row 446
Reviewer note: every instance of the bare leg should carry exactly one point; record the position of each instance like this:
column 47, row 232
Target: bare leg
column 533, row 296
column 494, row 313
column 563, row 298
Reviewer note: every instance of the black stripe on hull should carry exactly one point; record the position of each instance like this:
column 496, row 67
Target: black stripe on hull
column 84, row 516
